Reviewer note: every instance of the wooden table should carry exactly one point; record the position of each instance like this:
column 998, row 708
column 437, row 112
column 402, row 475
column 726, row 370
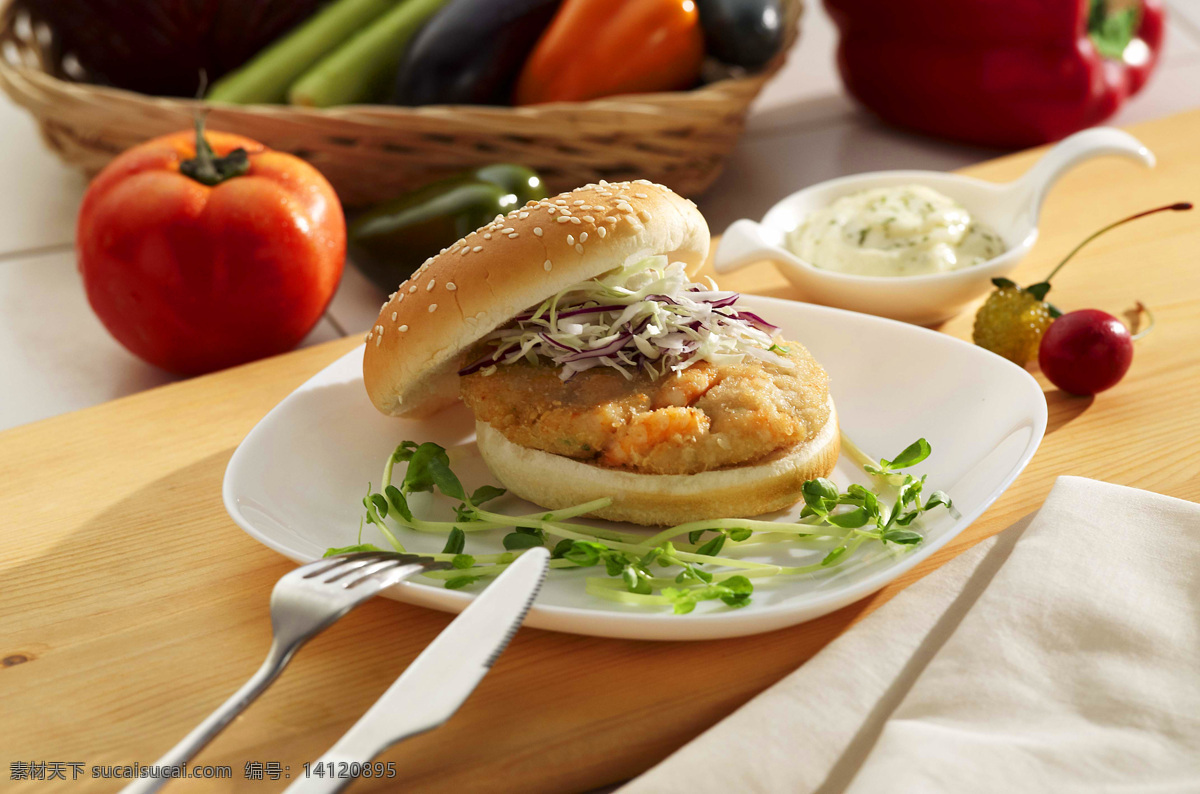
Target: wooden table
column 131, row 605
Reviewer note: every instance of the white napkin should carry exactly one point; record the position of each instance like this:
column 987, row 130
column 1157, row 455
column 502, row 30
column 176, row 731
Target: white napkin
column 1061, row 656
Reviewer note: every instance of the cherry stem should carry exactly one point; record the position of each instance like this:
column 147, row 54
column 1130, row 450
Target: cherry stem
column 1177, row 207
column 1144, row 309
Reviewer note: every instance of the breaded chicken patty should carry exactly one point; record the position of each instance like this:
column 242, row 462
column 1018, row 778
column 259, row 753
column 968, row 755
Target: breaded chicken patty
column 703, row 418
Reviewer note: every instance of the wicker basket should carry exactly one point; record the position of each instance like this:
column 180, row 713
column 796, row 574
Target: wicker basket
column 374, row 152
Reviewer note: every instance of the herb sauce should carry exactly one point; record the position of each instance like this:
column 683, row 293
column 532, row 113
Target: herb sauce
column 907, row 230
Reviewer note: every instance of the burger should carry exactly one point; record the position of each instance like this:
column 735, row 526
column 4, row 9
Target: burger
column 596, row 368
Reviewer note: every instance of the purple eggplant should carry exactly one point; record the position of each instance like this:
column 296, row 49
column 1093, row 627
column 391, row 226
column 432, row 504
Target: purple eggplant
column 471, row 52
column 742, row 32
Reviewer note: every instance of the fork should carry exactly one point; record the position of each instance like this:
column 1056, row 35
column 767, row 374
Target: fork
column 304, row 602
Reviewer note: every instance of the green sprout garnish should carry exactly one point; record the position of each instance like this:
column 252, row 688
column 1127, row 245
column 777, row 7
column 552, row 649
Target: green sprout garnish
column 677, row 567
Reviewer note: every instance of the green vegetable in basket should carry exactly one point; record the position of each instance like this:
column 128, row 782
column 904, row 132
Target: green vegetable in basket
column 268, row 76
column 362, row 69
column 390, row 241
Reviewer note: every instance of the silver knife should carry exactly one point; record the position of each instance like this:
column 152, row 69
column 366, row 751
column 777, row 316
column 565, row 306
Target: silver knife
column 438, row 681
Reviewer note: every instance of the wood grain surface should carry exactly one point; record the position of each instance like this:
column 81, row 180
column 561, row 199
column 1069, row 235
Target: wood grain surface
column 130, row 604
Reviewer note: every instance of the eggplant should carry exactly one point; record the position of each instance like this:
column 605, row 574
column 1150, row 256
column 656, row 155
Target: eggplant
column 744, row 33
column 160, row 47
column 390, row 241
column 471, row 52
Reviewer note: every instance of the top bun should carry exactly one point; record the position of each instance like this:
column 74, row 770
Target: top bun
column 517, row 261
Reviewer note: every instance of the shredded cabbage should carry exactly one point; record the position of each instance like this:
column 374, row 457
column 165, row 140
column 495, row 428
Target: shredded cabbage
column 646, row 316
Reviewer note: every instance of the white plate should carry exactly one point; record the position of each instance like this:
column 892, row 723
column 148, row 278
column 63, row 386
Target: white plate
column 297, row 480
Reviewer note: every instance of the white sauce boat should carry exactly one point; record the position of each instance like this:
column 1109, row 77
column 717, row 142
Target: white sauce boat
column 1011, row 209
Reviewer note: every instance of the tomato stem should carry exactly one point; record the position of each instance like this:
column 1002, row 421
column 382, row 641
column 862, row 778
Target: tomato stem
column 208, row 169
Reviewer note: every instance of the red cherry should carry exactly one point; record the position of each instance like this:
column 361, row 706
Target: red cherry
column 1086, row 351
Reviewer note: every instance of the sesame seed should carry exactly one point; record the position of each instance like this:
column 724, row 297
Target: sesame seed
column 552, row 210
column 393, row 316
column 575, row 221
column 368, row 337
column 537, row 230
column 589, row 219
column 641, row 195
column 378, row 339
column 547, row 265
column 645, row 216
column 600, row 230
column 466, row 251
column 579, row 203
column 603, row 183
column 583, row 237
column 570, row 239
column 563, row 202
column 523, row 215
column 509, row 230
column 514, row 236
column 564, row 219
column 432, row 308
column 413, row 288
column 579, row 248
column 487, row 236
column 477, row 248
column 402, row 328
column 450, row 285
column 429, row 286
column 611, row 219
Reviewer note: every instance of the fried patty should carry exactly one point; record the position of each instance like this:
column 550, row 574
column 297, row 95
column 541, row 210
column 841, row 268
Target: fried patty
column 703, row 418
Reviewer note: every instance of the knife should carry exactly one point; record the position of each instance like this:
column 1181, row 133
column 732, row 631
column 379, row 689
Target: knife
column 438, row 681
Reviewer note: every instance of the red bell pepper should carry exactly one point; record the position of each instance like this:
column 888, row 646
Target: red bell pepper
column 1006, row 73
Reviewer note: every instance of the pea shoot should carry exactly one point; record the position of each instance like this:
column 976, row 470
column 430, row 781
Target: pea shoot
column 676, row 568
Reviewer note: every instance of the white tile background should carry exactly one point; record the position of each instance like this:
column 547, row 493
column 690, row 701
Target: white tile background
column 56, row 357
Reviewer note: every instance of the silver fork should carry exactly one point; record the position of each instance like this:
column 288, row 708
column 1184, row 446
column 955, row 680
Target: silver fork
column 304, row 602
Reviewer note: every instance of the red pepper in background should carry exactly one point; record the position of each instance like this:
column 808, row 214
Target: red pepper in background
column 1007, row 73
column 598, row 48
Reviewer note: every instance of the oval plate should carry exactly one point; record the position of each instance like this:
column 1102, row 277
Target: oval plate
column 296, row 482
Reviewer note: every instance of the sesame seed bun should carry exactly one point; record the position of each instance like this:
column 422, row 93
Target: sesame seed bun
column 554, row 482
column 518, row 260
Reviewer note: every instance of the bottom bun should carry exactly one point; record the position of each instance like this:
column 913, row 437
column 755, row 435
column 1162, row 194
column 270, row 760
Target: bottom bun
column 554, row 481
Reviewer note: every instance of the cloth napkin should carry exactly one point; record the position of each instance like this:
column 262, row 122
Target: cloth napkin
column 1062, row 655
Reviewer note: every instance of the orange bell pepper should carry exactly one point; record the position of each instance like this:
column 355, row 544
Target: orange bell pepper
column 598, row 48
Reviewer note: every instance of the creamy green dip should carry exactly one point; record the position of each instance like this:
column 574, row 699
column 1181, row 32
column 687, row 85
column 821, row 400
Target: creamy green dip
column 907, row 230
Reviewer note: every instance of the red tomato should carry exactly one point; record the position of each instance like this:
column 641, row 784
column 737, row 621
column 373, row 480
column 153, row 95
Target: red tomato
column 194, row 277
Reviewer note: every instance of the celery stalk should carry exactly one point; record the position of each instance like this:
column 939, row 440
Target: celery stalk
column 362, row 69
column 268, row 75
